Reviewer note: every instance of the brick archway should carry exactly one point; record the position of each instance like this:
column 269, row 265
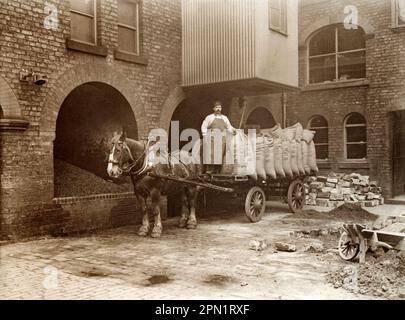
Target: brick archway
column 251, row 109
column 10, row 111
column 172, row 102
column 8, row 101
column 85, row 73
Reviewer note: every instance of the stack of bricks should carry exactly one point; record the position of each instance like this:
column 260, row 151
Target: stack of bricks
column 337, row 189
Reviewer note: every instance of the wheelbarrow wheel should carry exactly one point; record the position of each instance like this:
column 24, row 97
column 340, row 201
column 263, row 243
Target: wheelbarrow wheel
column 348, row 246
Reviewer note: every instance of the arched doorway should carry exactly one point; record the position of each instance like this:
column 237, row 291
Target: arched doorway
column 186, row 119
column 191, row 112
column 260, row 118
column 86, row 122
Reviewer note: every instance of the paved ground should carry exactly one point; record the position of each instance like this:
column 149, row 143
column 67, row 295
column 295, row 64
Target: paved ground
column 212, row 262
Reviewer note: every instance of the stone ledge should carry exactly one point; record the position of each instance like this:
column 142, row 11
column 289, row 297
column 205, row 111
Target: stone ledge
column 87, row 48
column 400, row 29
column 324, row 164
column 13, row 124
column 128, row 57
column 354, row 165
column 336, row 85
column 107, row 196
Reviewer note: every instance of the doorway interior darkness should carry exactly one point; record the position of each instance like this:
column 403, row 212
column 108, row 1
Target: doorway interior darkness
column 260, row 118
column 398, row 154
column 87, row 120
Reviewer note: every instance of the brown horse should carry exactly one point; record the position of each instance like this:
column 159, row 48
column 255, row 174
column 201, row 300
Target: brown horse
column 136, row 159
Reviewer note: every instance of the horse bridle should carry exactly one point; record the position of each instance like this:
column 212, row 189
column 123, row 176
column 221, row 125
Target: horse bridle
column 134, row 163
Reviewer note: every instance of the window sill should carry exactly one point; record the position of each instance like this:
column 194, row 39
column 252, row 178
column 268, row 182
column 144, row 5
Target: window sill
column 336, row 85
column 398, row 29
column 13, row 124
column 353, row 164
column 129, row 57
column 283, row 33
column 86, row 48
column 323, row 164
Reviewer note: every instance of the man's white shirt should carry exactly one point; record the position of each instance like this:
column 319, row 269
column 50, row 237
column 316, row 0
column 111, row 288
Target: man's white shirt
column 210, row 119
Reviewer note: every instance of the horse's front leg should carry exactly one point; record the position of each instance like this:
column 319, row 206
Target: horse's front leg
column 144, row 230
column 192, row 203
column 184, row 210
column 157, row 228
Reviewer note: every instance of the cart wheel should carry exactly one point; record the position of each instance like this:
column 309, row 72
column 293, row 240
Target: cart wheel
column 296, row 196
column 348, row 247
column 255, row 204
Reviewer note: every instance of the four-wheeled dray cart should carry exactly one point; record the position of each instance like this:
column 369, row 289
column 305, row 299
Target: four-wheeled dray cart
column 254, row 192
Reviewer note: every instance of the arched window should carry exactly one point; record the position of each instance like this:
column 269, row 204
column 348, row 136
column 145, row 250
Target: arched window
column 337, row 54
column 355, row 137
column 320, row 125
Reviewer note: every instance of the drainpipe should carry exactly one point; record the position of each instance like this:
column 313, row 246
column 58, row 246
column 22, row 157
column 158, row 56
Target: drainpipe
column 284, row 109
column 243, row 105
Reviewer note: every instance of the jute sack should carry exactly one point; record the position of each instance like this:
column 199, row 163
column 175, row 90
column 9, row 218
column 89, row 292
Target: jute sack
column 298, row 138
column 308, row 135
column 299, row 132
column 290, row 132
column 244, row 159
column 305, row 150
column 269, row 158
column 275, row 132
column 312, row 157
column 278, row 158
column 294, row 158
column 260, row 170
column 300, row 159
column 287, row 159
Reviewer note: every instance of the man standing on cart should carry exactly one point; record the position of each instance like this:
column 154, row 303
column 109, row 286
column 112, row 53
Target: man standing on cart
column 214, row 130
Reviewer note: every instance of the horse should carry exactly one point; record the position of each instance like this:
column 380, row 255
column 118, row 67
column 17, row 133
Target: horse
column 136, row 159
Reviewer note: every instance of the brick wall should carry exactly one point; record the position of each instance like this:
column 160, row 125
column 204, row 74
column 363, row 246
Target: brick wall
column 27, row 155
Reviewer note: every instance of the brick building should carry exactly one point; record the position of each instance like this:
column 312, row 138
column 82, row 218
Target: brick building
column 106, row 63
column 353, row 86
column 109, row 63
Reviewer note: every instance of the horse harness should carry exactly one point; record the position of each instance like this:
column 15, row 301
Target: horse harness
column 146, row 166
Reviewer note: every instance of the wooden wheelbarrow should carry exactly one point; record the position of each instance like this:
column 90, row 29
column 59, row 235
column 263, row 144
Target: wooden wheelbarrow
column 355, row 240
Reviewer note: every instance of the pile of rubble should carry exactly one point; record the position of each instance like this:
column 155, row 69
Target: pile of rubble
column 383, row 275
column 339, row 188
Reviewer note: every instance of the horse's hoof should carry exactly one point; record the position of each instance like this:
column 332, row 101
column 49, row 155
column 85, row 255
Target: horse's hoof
column 182, row 223
column 192, row 225
column 142, row 233
column 156, row 234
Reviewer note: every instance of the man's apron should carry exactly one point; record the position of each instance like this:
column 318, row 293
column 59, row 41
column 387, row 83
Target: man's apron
column 220, row 125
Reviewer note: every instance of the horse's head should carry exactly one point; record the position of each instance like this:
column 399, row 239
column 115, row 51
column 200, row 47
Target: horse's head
column 125, row 154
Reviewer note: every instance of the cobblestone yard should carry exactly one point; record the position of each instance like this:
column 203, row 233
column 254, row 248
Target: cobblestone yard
column 212, row 262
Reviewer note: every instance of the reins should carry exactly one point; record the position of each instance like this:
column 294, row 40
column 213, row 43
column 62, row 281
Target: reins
column 134, row 163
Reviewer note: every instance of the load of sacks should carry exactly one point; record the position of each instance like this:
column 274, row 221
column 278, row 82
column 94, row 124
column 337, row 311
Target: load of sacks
column 279, row 153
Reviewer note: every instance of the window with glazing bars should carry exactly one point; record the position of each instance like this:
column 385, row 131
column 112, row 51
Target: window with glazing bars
column 128, row 26
column 83, row 21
